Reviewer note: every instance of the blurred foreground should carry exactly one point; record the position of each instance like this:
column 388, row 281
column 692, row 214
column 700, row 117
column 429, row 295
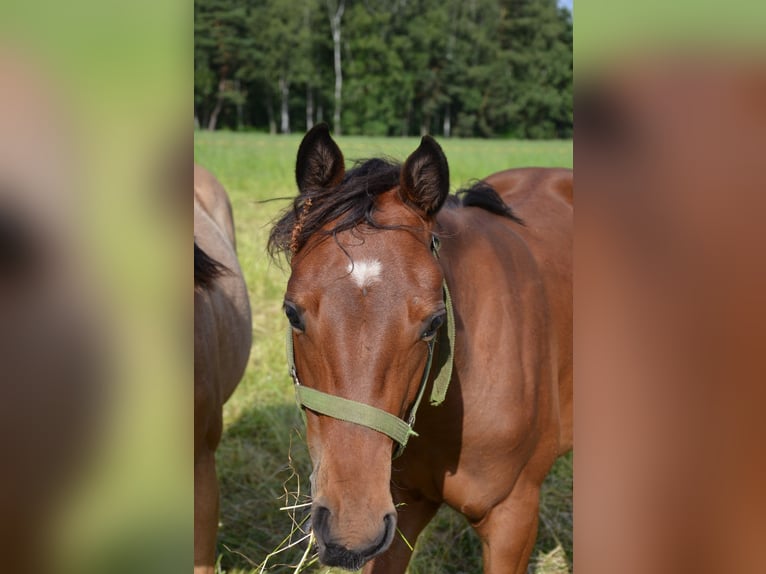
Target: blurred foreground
column 94, row 237
column 669, row 311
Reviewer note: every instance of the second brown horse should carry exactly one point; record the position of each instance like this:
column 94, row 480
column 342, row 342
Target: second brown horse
column 222, row 338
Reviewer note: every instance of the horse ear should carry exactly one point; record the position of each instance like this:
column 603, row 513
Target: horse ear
column 320, row 162
column 425, row 177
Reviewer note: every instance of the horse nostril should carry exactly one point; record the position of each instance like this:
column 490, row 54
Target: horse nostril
column 389, row 522
column 319, row 519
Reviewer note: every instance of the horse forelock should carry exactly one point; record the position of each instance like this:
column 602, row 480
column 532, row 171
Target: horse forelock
column 329, row 211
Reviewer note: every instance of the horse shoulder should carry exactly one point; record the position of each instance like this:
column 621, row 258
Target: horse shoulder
column 542, row 197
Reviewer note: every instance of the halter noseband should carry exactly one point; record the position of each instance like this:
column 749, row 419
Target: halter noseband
column 372, row 417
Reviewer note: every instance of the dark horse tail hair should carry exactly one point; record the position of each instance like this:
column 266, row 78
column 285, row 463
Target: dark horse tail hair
column 206, row 269
column 483, row 195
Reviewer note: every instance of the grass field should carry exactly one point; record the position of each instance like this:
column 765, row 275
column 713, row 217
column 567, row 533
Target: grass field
column 262, row 443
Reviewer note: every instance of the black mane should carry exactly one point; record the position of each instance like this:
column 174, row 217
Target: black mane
column 352, row 203
column 481, row 194
column 206, row 269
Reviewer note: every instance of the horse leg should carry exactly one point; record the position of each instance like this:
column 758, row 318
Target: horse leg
column 509, row 531
column 414, row 512
column 205, row 512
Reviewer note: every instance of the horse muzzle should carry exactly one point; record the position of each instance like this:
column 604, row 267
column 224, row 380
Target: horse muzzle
column 334, row 552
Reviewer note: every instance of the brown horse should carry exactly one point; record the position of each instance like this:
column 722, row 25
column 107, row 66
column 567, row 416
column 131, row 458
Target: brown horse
column 366, row 302
column 222, row 338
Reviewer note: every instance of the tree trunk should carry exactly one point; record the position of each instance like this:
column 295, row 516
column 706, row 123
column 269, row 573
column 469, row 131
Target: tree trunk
column 407, row 120
column 240, row 108
column 335, row 21
column 284, row 91
column 320, row 113
column 217, row 109
column 270, row 113
column 309, row 108
column 447, row 122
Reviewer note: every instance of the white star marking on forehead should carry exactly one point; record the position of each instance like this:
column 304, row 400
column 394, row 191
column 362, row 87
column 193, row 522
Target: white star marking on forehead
column 365, row 272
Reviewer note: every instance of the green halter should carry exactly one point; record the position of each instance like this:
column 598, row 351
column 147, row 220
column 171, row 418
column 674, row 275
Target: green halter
column 372, row 417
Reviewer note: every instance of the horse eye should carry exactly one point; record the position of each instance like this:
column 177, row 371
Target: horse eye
column 433, row 326
column 294, row 317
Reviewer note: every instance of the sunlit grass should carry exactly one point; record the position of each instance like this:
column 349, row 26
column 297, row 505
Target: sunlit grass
column 262, row 450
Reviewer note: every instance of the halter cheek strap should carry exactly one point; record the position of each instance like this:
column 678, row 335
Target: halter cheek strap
column 374, row 418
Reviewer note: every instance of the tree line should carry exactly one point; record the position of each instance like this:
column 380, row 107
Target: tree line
column 465, row 68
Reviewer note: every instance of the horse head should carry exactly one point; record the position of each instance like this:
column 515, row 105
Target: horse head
column 364, row 302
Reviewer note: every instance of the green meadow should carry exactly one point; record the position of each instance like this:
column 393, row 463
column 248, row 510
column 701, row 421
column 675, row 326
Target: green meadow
column 263, row 463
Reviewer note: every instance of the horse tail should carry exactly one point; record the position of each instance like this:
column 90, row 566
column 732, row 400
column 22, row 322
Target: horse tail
column 483, row 195
column 206, row 269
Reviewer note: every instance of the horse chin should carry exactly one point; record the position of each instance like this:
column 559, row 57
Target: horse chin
column 337, row 556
